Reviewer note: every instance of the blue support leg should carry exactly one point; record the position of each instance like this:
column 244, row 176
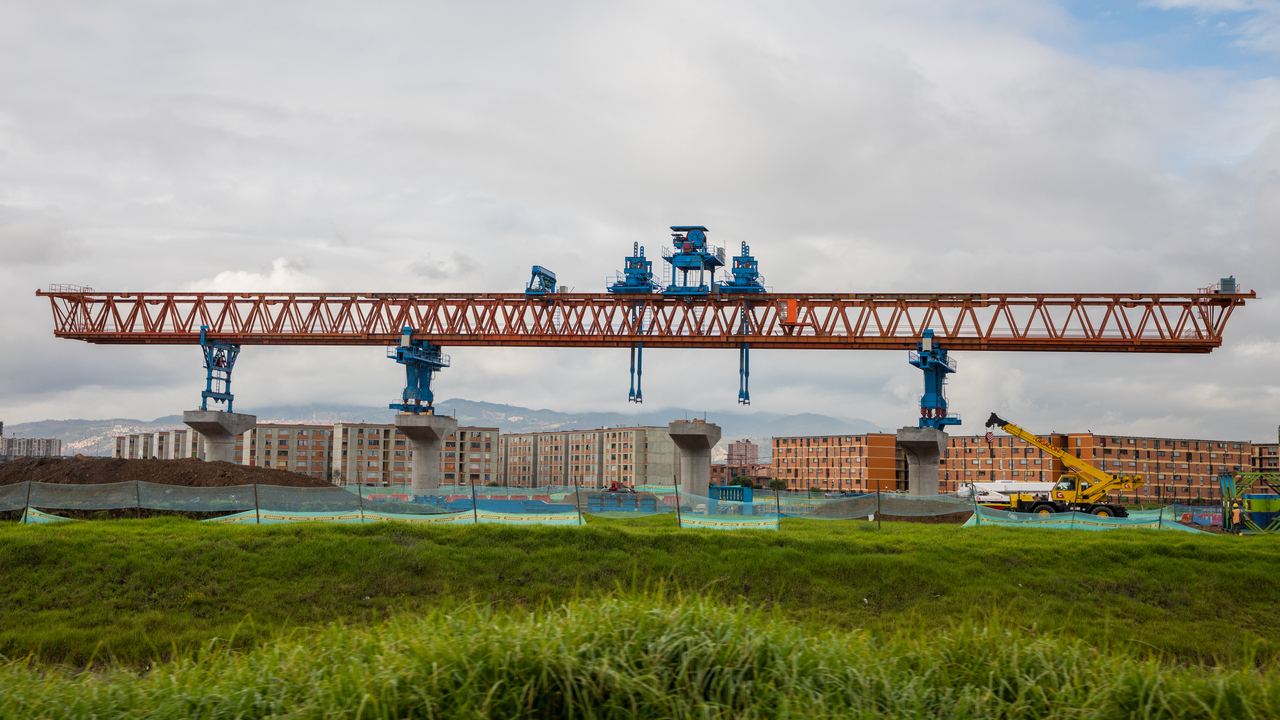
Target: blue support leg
column 744, row 374
column 631, row 396
column 639, row 371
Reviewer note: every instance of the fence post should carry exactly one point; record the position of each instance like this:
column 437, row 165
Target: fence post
column 137, row 497
column 777, row 507
column 27, row 509
column 1160, row 524
column 257, row 515
column 877, row 504
column 676, row 484
column 360, row 494
column 577, row 500
column 475, row 514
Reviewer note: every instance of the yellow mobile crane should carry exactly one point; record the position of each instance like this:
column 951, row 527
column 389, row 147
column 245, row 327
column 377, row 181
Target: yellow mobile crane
column 1083, row 490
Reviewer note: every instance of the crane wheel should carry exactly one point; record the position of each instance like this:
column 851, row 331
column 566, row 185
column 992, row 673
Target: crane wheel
column 1043, row 510
column 1102, row 512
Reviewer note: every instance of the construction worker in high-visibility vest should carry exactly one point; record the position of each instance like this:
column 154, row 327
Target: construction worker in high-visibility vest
column 1235, row 519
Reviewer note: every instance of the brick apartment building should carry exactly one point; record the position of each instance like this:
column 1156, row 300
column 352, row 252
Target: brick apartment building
column 588, row 458
column 1174, row 468
column 840, row 463
column 1266, row 458
column 722, row 473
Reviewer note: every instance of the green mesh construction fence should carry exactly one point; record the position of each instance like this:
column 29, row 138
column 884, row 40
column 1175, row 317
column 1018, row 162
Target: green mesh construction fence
column 697, row 511
column 14, row 497
column 108, row 496
column 1153, row 520
column 559, row 505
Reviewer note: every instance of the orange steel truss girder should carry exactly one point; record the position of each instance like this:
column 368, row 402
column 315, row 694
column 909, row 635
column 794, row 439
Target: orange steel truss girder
column 1189, row 323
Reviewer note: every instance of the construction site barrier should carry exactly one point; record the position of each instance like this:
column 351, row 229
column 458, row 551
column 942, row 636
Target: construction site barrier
column 553, row 505
column 1162, row 519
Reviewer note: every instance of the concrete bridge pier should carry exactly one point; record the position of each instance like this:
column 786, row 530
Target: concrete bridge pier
column 426, row 434
column 219, row 430
column 923, row 447
column 694, row 440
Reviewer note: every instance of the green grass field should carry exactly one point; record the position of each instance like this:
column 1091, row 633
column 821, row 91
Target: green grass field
column 133, row 592
column 643, row 658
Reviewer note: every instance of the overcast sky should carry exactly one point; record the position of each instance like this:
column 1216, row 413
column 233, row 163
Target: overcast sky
column 926, row 146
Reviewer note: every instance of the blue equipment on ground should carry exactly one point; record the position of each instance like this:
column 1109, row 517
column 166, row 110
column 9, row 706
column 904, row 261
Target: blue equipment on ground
column 421, row 359
column 731, row 493
column 933, row 360
column 541, row 284
column 692, row 255
column 219, row 359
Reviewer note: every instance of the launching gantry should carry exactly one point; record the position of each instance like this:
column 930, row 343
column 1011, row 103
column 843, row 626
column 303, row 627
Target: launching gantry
column 691, row 310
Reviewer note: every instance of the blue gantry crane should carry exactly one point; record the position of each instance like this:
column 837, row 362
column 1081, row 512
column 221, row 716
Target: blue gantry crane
column 219, row 360
column 932, row 359
column 690, row 254
column 421, row 360
column 637, row 279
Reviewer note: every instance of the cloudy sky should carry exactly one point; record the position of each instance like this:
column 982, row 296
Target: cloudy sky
column 904, row 146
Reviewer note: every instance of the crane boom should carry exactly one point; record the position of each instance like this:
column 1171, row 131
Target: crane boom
column 1076, row 492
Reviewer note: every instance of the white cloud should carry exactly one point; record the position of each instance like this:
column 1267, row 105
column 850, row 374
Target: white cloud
column 927, row 146
column 283, row 277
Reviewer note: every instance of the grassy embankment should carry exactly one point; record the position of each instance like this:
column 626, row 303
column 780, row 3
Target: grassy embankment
column 133, row 591
column 644, row 658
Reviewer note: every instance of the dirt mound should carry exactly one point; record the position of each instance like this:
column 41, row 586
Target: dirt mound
column 188, row 472
column 957, row 518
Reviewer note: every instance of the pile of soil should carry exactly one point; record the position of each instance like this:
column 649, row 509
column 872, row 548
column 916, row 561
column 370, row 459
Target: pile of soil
column 187, row 472
column 957, row 518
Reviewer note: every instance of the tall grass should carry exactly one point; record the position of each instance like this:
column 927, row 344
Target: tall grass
column 642, row 658
column 135, row 591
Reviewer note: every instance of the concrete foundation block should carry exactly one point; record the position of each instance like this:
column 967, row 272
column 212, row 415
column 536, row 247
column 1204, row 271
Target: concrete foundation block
column 923, row 447
column 694, row 441
column 219, row 430
column 426, row 434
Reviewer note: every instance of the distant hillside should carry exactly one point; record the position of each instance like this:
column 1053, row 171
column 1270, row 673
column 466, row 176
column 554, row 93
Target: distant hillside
column 95, row 437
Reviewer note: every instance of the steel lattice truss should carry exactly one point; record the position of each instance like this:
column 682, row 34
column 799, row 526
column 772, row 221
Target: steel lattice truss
column 1189, row 323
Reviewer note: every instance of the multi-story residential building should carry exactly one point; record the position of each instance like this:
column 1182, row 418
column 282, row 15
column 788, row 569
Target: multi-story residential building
column 306, row 449
column 31, row 447
column 1265, row 458
column 343, row 453
column 589, row 458
column 743, row 453
column 840, row 463
column 163, row 445
column 723, row 473
column 376, row 453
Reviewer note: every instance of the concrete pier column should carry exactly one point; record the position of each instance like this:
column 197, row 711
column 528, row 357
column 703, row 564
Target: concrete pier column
column 923, row 447
column 694, row 440
column 426, row 435
column 219, row 431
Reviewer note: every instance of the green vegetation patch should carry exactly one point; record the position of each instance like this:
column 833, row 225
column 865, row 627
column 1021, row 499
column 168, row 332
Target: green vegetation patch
column 136, row 591
column 638, row 658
